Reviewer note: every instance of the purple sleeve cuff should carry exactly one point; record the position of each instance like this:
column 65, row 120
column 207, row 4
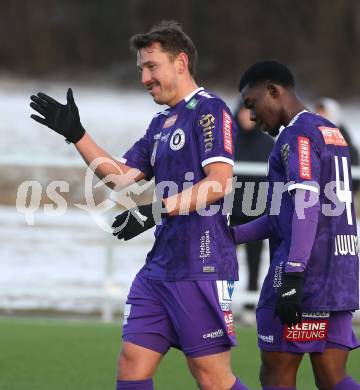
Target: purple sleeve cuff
column 258, row 229
column 302, row 238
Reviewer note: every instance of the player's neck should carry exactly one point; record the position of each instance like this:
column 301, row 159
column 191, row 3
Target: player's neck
column 185, row 89
column 291, row 110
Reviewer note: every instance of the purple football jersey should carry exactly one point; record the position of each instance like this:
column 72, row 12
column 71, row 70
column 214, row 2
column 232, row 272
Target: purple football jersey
column 312, row 154
column 178, row 144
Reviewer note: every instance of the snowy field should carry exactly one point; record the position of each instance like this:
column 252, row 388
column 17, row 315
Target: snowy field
column 62, row 262
column 67, row 262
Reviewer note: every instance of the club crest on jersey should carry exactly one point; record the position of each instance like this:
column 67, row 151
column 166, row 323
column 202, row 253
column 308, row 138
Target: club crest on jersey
column 177, row 140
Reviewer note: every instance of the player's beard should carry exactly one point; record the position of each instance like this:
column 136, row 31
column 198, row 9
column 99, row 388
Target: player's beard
column 156, row 87
column 166, row 94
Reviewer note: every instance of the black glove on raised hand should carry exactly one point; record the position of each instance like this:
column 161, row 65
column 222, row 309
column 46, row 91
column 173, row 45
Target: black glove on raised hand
column 288, row 305
column 131, row 223
column 62, row 118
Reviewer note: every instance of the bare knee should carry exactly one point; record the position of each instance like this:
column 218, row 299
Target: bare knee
column 128, row 366
column 279, row 369
column 328, row 382
column 329, row 367
column 137, row 363
column 206, row 381
column 280, row 375
column 212, row 372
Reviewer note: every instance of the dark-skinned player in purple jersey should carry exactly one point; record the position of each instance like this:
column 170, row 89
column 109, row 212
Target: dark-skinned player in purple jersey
column 182, row 296
column 312, row 285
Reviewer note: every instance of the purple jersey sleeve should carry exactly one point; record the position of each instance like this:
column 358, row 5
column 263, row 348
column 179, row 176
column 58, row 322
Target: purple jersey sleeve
column 138, row 156
column 301, row 159
column 214, row 132
column 303, row 233
column 310, row 152
column 258, row 229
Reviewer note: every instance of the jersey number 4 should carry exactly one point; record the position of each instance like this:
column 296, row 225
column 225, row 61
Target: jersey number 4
column 344, row 194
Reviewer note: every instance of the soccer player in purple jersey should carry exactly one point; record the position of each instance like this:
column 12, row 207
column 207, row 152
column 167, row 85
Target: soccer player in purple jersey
column 181, row 297
column 312, row 285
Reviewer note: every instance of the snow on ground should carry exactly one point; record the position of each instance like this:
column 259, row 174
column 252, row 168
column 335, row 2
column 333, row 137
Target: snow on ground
column 61, row 262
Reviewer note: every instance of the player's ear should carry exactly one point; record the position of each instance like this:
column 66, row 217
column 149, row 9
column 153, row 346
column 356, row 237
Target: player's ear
column 183, row 62
column 273, row 90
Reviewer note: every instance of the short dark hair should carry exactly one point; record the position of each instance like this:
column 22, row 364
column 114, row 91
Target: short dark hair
column 172, row 39
column 267, row 70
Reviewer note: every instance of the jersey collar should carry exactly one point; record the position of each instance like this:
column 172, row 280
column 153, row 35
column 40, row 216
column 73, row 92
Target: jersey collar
column 188, row 97
column 293, row 120
column 183, row 101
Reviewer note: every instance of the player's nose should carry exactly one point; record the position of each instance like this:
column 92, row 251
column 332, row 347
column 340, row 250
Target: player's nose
column 145, row 77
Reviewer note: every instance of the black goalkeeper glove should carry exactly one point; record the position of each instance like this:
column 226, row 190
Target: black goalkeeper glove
column 135, row 221
column 62, row 118
column 288, row 305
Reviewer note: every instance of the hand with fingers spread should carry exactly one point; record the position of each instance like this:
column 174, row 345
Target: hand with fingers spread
column 62, row 118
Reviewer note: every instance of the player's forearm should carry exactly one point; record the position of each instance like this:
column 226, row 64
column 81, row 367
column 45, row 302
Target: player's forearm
column 117, row 174
column 303, row 232
column 258, row 229
column 205, row 192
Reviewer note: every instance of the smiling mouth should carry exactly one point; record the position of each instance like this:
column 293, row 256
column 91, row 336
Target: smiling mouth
column 151, row 87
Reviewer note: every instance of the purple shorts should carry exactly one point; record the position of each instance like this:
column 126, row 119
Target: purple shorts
column 318, row 331
column 193, row 316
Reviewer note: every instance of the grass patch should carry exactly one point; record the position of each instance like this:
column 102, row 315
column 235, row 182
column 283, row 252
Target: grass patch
column 77, row 355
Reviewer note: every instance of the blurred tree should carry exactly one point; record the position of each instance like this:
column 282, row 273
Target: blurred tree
column 319, row 39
